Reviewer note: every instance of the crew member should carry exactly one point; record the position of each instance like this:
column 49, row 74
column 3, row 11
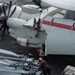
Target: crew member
column 44, row 66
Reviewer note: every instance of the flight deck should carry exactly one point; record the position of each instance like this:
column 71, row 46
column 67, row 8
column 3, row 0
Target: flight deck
column 57, row 63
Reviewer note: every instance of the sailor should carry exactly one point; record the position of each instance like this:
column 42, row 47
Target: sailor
column 44, row 66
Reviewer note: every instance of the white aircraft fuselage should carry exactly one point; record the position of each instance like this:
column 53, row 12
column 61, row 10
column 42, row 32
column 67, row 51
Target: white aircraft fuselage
column 57, row 34
column 58, row 37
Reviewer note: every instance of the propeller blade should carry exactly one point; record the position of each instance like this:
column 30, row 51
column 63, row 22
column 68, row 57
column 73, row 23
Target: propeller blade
column 4, row 11
column 9, row 7
column 3, row 32
column 9, row 53
column 13, row 12
column 2, row 20
column 2, row 27
column 7, row 29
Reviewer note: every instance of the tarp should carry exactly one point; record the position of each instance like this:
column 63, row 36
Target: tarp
column 69, row 70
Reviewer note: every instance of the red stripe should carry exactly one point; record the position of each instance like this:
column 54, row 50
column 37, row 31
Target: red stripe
column 20, row 14
column 65, row 26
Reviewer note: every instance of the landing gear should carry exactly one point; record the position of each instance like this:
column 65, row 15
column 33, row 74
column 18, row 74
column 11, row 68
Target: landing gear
column 41, row 51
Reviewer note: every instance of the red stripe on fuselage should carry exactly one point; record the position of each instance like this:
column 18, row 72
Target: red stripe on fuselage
column 65, row 26
column 20, row 14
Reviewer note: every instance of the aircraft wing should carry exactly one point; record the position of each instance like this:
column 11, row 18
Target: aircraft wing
column 63, row 4
column 8, row 52
column 13, row 70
